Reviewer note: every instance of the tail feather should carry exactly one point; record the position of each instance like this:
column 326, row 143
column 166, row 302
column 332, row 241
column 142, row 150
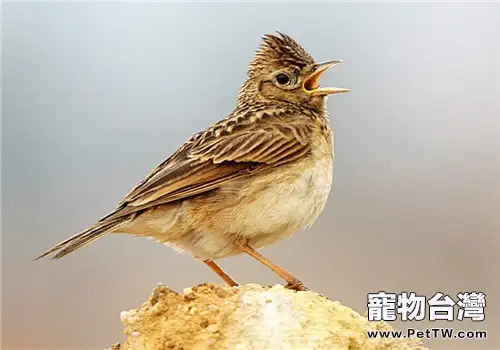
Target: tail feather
column 83, row 238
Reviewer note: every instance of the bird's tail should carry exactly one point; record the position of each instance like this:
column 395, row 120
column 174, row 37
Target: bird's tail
column 81, row 239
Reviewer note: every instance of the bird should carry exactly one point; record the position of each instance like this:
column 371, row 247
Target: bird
column 250, row 180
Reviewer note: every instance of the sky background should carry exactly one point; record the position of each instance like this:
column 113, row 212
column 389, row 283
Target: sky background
column 95, row 95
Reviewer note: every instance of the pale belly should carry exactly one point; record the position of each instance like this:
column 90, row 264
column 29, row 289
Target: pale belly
column 289, row 203
column 263, row 210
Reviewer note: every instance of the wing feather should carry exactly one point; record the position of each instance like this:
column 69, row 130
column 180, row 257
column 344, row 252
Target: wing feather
column 207, row 162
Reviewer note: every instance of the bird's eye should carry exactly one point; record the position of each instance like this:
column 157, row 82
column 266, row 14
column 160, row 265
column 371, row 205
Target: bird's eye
column 283, row 79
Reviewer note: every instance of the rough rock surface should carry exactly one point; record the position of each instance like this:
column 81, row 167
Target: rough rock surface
column 211, row 316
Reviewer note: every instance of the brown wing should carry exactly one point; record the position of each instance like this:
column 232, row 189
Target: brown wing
column 220, row 154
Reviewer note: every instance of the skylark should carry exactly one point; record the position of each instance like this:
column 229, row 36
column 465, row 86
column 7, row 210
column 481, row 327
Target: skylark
column 251, row 179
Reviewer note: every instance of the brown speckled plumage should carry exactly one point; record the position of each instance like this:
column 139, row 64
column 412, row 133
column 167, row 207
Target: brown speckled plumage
column 249, row 180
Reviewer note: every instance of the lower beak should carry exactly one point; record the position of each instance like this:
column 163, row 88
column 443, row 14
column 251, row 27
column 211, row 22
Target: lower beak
column 311, row 84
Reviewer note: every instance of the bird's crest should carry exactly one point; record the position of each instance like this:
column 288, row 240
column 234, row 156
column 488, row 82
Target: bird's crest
column 280, row 50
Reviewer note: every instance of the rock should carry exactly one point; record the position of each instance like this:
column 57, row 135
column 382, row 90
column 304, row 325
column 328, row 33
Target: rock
column 211, row 316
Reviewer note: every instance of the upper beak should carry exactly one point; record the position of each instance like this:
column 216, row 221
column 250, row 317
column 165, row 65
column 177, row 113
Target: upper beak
column 311, row 84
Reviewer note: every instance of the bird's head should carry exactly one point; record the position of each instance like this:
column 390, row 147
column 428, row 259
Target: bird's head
column 282, row 70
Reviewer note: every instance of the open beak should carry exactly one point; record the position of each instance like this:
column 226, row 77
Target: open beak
column 311, row 84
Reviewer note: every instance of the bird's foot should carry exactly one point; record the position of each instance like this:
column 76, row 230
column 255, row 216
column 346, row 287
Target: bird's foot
column 296, row 285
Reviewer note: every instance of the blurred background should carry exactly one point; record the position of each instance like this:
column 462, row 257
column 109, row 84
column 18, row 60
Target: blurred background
column 96, row 94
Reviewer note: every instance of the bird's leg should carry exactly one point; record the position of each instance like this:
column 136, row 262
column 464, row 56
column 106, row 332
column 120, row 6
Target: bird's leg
column 293, row 282
column 223, row 274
